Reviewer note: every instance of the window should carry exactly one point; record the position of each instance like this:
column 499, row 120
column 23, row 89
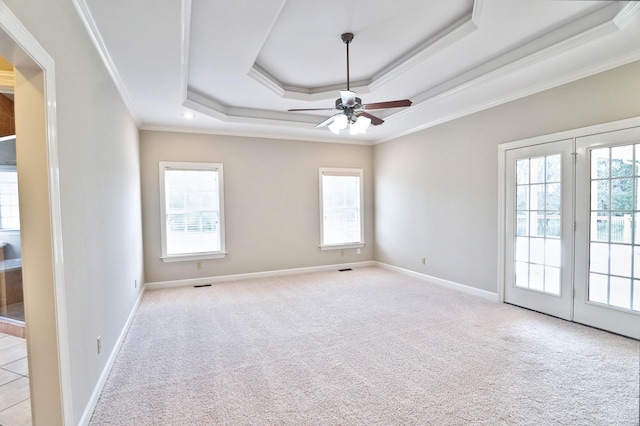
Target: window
column 191, row 203
column 341, row 224
column 9, row 210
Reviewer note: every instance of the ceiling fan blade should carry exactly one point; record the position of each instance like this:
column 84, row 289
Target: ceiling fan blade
column 310, row 109
column 388, row 104
column 328, row 120
column 374, row 120
column 348, row 97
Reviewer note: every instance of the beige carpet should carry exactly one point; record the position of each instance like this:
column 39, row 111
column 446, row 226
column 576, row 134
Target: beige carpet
column 364, row 347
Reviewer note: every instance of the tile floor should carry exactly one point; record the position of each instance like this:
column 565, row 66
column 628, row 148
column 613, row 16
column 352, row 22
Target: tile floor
column 15, row 405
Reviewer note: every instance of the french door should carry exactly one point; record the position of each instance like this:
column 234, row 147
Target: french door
column 539, row 230
column 572, row 229
column 607, row 270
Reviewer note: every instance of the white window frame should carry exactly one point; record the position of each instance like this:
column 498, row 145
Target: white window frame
column 330, row 171
column 167, row 165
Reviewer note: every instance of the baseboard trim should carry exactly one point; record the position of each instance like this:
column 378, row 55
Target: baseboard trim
column 102, row 380
column 254, row 275
column 441, row 282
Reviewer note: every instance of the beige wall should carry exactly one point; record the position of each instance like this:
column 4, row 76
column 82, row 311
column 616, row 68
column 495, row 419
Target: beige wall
column 271, row 201
column 437, row 190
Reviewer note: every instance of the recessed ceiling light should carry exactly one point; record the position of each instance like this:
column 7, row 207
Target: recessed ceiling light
column 189, row 115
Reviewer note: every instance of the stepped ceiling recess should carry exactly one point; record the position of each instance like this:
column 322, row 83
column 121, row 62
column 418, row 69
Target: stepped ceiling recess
column 239, row 65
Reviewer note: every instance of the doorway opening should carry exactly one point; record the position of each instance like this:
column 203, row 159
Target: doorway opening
column 15, row 400
column 11, row 290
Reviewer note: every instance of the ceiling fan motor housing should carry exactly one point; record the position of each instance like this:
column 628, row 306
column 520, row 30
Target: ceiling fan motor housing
column 340, row 106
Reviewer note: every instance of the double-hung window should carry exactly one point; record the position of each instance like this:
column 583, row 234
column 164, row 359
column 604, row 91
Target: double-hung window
column 192, row 213
column 341, row 200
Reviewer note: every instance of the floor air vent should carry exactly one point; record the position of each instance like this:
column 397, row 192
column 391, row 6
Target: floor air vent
column 202, row 285
column 345, row 269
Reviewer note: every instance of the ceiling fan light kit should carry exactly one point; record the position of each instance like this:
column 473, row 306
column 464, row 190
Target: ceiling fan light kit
column 352, row 111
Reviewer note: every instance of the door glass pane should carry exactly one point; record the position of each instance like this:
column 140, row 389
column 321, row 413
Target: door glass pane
column 636, row 295
column 552, row 252
column 621, row 192
column 553, row 168
column 600, row 163
column 552, row 225
column 522, row 171
column 598, row 288
column 536, row 277
column 600, row 195
column 537, row 170
column 622, row 161
column 522, row 249
column 537, row 197
column 620, row 260
column 553, row 196
column 522, row 197
column 538, row 217
column 537, row 251
column 522, row 223
column 599, row 226
column 522, row 274
column 620, row 292
column 614, row 252
column 599, row 258
column 552, row 280
column 536, row 221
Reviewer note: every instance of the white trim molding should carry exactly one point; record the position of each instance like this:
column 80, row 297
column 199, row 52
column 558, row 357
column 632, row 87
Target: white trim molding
column 102, row 380
column 23, row 39
column 484, row 294
column 84, row 13
column 255, row 275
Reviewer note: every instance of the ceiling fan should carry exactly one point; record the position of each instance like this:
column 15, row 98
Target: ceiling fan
column 353, row 113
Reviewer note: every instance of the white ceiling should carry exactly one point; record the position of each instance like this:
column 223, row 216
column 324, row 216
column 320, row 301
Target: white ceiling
column 239, row 65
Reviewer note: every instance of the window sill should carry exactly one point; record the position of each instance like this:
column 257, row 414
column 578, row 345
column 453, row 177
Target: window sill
column 191, row 257
column 341, row 246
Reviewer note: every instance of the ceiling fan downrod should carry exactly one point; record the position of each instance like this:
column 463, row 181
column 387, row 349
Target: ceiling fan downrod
column 347, row 38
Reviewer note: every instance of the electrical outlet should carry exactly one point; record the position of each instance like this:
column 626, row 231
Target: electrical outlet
column 341, row 252
column 198, row 265
column 99, row 343
column 135, row 283
column 358, row 251
column 424, row 260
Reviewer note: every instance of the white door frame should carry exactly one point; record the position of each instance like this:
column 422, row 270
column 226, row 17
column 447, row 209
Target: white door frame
column 30, row 58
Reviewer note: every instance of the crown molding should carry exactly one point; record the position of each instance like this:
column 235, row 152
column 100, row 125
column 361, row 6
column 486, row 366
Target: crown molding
column 596, row 25
column 627, row 13
column 300, row 93
column 94, row 34
column 427, row 48
column 205, row 105
column 424, row 51
column 185, row 43
column 499, row 100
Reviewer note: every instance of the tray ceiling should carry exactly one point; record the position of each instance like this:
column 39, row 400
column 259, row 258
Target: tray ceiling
column 238, row 66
